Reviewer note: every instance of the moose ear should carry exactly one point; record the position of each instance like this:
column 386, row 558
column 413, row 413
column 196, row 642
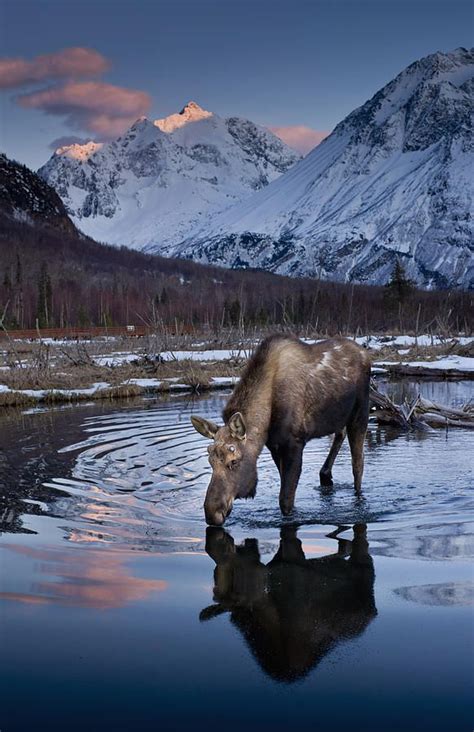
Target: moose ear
column 204, row 427
column 237, row 426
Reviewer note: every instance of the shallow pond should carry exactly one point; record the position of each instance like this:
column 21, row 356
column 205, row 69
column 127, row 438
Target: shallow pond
column 121, row 611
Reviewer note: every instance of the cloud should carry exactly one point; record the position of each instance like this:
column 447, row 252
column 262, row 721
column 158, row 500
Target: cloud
column 70, row 63
column 102, row 109
column 68, row 140
column 300, row 138
column 89, row 579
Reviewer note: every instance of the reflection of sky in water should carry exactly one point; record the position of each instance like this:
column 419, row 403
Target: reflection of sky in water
column 115, row 605
column 452, row 393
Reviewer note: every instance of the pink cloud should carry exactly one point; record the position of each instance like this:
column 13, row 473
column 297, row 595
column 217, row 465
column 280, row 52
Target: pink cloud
column 67, row 140
column 70, row 63
column 100, row 108
column 300, row 138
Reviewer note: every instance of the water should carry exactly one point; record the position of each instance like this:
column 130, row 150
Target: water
column 121, row 611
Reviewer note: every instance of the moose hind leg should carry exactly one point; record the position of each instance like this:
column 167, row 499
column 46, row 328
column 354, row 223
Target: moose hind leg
column 356, row 435
column 325, row 474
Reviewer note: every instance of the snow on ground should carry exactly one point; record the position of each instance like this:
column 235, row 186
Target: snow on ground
column 153, row 385
column 446, row 363
column 214, row 355
column 116, row 359
column 224, row 354
column 217, row 382
column 69, row 393
column 376, row 343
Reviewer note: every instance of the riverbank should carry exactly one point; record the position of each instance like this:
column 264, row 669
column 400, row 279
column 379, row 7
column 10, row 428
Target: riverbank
column 60, row 371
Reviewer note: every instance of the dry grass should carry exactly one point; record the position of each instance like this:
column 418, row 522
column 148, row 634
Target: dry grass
column 16, row 399
column 55, row 367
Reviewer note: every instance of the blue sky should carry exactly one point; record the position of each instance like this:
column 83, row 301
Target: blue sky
column 277, row 62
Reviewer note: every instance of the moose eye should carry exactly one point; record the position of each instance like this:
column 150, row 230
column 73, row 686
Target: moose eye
column 231, row 448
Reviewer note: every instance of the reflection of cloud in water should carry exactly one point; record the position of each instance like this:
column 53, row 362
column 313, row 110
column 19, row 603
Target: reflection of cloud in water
column 86, row 579
column 431, row 541
column 445, row 594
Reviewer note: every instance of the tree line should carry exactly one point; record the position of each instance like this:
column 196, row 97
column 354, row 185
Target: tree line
column 52, row 278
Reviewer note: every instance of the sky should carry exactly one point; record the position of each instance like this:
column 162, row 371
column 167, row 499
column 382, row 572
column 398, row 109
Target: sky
column 82, row 69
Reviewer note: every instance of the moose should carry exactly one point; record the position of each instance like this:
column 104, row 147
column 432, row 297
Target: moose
column 290, row 392
column 293, row 610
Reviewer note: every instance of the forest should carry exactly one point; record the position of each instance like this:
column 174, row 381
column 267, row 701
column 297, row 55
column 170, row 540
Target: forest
column 56, row 278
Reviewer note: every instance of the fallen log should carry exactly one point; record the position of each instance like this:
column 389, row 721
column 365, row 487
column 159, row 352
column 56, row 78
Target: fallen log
column 421, row 414
column 437, row 420
column 385, row 410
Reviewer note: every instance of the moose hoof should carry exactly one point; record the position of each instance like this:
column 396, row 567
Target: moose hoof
column 325, row 479
column 286, row 508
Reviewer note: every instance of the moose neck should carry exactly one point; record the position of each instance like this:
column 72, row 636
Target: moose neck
column 252, row 397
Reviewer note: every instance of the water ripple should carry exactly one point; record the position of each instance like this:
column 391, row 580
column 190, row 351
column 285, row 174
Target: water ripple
column 141, row 476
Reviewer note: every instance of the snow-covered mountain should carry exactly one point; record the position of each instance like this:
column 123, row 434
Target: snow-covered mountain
column 152, row 187
column 394, row 180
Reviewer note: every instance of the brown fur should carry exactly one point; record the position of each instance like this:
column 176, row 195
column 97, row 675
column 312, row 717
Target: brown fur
column 290, row 392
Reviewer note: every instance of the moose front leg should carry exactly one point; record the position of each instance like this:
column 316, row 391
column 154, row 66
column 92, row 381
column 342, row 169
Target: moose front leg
column 275, row 453
column 291, row 460
column 325, row 474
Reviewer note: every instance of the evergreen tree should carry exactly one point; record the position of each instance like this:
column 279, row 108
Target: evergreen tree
column 18, row 302
column 45, row 297
column 82, row 317
column 232, row 310
column 399, row 287
column 19, row 271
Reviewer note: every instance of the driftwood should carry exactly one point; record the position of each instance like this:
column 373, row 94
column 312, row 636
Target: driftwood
column 424, row 372
column 421, row 414
column 436, row 415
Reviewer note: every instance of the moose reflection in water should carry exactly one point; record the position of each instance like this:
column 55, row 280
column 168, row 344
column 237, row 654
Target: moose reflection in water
column 293, row 610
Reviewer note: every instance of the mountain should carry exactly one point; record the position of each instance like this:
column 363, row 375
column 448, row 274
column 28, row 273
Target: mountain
column 161, row 180
column 26, row 198
column 393, row 181
column 52, row 274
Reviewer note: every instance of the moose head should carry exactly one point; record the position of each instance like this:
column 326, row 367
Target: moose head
column 234, row 466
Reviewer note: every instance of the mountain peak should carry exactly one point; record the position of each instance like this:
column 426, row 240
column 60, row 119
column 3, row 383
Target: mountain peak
column 392, row 181
column 78, row 151
column 191, row 112
column 193, row 108
column 161, row 180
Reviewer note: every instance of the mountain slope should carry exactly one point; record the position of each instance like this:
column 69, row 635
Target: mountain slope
column 394, row 180
column 154, row 185
column 26, row 198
